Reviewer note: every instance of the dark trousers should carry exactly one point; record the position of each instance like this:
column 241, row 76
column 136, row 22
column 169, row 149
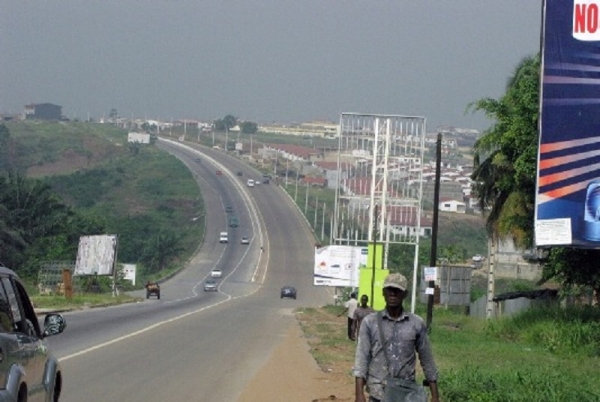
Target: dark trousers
column 371, row 399
column 350, row 334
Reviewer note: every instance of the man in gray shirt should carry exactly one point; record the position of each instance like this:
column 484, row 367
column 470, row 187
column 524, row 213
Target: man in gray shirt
column 405, row 335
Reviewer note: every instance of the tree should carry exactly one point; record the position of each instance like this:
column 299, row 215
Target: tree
column 5, row 147
column 505, row 157
column 505, row 176
column 226, row 123
column 161, row 249
column 249, row 127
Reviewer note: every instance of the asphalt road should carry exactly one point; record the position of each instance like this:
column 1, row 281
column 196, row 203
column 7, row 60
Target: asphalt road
column 193, row 345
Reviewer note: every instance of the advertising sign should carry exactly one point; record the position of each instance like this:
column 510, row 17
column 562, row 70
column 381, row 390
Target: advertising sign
column 338, row 265
column 567, row 210
column 96, row 255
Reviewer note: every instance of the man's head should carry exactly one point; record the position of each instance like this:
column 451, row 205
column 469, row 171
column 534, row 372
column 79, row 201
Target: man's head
column 364, row 300
column 394, row 289
column 353, row 295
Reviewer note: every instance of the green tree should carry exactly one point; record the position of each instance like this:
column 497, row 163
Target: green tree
column 505, row 157
column 5, row 147
column 249, row 127
column 161, row 249
column 505, row 161
column 226, row 123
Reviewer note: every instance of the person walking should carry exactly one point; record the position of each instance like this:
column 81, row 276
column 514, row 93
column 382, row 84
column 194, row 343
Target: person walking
column 350, row 308
column 388, row 342
column 360, row 313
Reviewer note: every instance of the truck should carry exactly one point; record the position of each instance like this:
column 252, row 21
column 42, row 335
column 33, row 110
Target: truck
column 152, row 289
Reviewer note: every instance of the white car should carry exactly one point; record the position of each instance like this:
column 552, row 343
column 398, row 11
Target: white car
column 216, row 273
column 245, row 240
column 478, row 258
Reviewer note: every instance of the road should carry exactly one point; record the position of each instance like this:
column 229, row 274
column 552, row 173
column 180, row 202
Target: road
column 193, row 345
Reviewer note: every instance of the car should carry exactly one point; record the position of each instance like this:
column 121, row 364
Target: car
column 219, row 173
column 229, row 209
column 223, row 237
column 265, row 181
column 234, row 222
column 250, row 183
column 256, row 182
column 216, row 273
column 198, row 160
column 478, row 258
column 29, row 371
column 240, row 173
column 210, row 285
column 245, row 240
column 288, row 291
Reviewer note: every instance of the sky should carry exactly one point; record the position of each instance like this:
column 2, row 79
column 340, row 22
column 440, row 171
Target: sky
column 264, row 60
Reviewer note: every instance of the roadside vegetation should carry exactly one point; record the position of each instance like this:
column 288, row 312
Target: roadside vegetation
column 59, row 181
column 539, row 355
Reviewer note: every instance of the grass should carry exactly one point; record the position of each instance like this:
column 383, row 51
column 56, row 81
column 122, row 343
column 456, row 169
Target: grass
column 79, row 301
column 540, row 355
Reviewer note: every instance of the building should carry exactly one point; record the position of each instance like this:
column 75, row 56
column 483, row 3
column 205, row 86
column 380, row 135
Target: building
column 449, row 205
column 43, row 111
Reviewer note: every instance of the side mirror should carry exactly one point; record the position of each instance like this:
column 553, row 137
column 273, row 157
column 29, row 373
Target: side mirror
column 54, row 324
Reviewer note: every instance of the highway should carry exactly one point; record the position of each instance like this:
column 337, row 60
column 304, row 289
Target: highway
column 193, row 345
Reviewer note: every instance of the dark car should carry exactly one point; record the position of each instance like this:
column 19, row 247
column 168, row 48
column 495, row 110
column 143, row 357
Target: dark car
column 234, row 222
column 288, row 291
column 240, row 173
column 28, row 370
column 265, row 181
column 229, row 209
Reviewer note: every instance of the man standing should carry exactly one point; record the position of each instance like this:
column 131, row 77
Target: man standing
column 351, row 306
column 404, row 335
column 360, row 313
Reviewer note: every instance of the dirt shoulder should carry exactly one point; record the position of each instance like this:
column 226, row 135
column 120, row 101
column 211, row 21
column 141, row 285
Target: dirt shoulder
column 292, row 374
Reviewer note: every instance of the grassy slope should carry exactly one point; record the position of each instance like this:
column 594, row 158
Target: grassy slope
column 93, row 169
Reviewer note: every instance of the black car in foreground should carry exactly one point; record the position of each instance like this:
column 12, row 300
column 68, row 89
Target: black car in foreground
column 288, row 291
column 28, row 370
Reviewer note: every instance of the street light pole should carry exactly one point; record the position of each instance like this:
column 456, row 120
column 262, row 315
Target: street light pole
column 434, row 226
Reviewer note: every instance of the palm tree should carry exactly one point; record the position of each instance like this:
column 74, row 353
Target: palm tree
column 505, row 156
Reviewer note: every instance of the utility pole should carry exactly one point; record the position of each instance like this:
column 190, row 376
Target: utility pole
column 434, row 227
column 489, row 311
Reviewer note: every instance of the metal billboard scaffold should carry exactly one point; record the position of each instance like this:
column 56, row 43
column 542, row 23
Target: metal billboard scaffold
column 380, row 180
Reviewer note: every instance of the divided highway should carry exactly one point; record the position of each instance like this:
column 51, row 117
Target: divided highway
column 193, row 345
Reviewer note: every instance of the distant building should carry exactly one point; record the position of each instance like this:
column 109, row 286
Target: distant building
column 449, row 205
column 43, row 111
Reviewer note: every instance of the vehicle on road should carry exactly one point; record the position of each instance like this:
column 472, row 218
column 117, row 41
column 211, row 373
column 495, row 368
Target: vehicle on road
column 216, row 273
column 234, row 222
column 219, row 173
column 478, row 258
column 240, row 173
column 250, row 183
column 152, row 289
column 245, row 240
column 288, row 291
column 265, row 181
column 210, row 285
column 28, row 370
column 229, row 209
column 223, row 237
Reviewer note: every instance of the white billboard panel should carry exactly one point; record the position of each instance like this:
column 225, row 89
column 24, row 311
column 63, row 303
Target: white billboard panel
column 141, row 138
column 129, row 271
column 96, row 255
column 338, row 265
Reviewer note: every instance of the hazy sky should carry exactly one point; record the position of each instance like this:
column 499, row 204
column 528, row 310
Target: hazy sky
column 263, row 61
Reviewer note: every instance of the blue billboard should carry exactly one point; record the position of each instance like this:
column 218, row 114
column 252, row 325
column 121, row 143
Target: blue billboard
column 567, row 210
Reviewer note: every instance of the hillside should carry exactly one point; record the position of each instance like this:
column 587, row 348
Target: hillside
column 138, row 192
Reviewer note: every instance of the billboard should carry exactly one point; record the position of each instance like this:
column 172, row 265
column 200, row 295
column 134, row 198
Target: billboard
column 567, row 210
column 96, row 255
column 338, row 265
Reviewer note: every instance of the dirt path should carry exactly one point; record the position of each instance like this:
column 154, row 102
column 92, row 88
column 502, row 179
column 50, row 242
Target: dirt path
column 292, row 375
